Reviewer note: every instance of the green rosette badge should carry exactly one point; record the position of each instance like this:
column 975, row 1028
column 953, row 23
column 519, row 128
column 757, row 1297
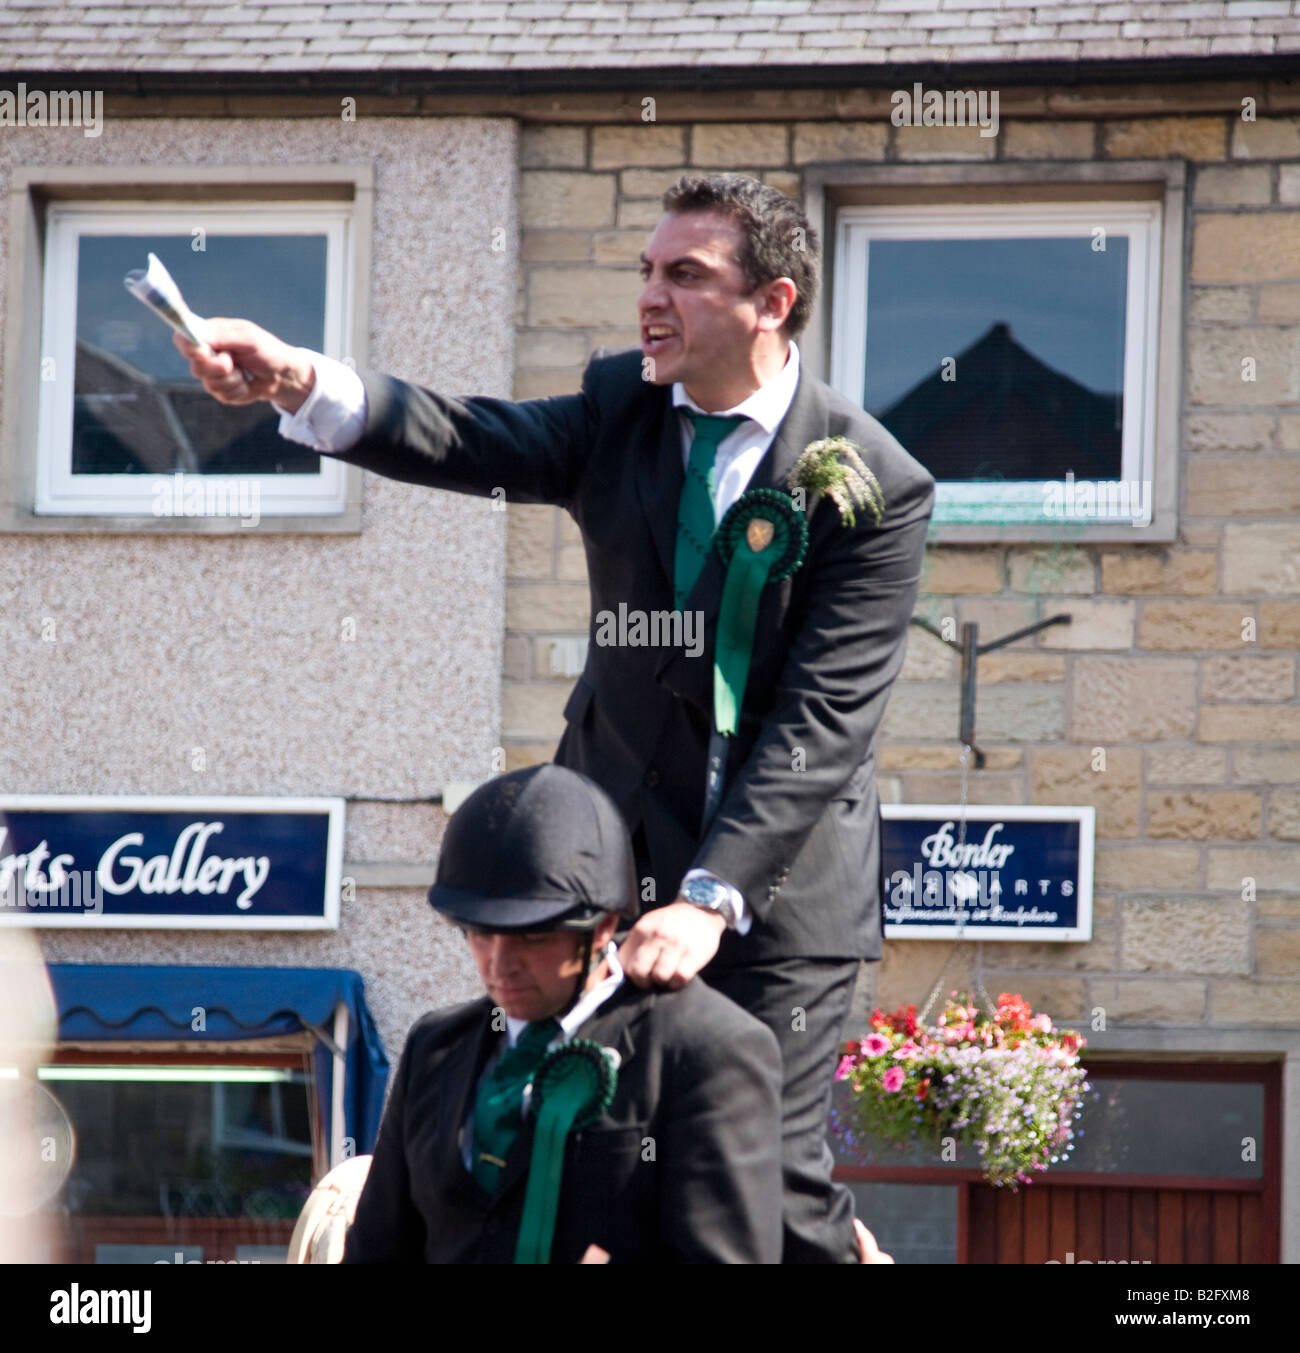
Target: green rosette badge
column 571, row 1090
column 761, row 540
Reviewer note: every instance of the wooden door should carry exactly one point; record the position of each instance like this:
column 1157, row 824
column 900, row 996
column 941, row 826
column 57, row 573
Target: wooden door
column 1117, row 1224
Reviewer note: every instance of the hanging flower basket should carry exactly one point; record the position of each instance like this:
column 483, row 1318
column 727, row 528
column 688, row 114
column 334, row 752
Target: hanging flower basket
column 1007, row 1084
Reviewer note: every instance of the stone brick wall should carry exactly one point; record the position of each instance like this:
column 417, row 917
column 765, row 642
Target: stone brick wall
column 1180, row 663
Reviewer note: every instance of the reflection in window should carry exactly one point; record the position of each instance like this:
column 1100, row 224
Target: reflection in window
column 912, row 1223
column 999, row 358
column 186, row 1142
column 1166, row 1127
column 136, row 408
column 123, row 428
column 1011, row 348
column 1129, row 1126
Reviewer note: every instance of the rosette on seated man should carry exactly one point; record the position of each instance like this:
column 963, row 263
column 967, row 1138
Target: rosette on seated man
column 571, row 1090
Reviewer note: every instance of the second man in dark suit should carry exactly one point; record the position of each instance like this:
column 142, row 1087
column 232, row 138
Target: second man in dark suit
column 681, row 1162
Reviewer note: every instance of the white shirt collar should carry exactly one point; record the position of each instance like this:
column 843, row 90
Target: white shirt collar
column 767, row 405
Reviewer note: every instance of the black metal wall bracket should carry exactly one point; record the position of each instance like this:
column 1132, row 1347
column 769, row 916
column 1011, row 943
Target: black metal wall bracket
column 971, row 649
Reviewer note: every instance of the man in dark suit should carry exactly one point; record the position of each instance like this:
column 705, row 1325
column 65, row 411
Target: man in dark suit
column 684, row 1161
column 778, row 896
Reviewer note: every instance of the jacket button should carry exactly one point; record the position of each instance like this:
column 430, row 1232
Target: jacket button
column 652, row 778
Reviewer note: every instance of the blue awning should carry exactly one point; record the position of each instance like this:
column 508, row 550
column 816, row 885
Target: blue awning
column 101, row 1002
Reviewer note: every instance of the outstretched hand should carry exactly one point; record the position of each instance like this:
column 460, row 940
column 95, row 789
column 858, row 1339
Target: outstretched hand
column 249, row 365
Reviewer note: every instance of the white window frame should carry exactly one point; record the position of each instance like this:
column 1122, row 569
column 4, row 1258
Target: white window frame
column 61, row 493
column 1022, row 503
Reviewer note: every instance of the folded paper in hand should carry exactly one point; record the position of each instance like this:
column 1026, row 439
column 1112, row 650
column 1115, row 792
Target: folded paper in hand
column 154, row 287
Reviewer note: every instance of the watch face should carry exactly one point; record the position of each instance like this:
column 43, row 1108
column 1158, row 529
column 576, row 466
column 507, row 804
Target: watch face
column 711, row 894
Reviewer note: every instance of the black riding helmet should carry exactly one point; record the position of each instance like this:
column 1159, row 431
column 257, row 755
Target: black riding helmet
column 543, row 848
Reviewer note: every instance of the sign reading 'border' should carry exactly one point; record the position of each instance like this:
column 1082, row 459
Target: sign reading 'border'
column 170, row 863
column 1020, row 873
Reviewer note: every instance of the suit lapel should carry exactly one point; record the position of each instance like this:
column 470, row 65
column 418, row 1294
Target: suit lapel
column 659, row 479
column 461, row 1071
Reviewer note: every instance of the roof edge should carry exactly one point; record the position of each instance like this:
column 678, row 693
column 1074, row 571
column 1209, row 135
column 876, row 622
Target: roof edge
column 656, row 79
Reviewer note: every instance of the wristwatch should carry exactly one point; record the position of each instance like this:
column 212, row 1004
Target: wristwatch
column 712, row 895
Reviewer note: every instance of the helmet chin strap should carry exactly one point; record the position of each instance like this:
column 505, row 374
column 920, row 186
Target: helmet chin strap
column 584, row 971
column 585, row 1003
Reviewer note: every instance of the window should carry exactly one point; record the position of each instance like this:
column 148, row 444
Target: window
column 1011, row 351
column 105, row 431
column 209, row 1156
column 1018, row 334
column 113, row 438
column 1174, row 1162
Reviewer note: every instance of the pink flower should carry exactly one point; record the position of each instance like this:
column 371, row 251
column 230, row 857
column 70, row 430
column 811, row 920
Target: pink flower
column 893, row 1079
column 844, row 1069
column 908, row 1049
column 1042, row 1023
column 874, row 1044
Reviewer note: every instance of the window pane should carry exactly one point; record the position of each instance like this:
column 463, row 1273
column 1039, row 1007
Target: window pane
column 176, row 1148
column 1204, row 1129
column 136, row 408
column 913, row 1223
column 1172, row 1128
column 1036, row 331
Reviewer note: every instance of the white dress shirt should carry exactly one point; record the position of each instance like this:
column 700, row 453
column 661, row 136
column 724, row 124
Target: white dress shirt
column 333, row 417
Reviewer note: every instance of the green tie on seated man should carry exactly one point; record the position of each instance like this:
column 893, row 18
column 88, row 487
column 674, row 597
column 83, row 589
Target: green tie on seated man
column 498, row 1112
column 565, row 1109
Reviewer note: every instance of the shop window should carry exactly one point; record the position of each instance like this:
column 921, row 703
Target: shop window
column 1174, row 1163
column 205, row 1157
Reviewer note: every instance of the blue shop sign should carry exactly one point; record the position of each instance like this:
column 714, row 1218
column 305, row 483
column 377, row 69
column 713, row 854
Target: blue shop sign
column 170, row 863
column 1013, row 874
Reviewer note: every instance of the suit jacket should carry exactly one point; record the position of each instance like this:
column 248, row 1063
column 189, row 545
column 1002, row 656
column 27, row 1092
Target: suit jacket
column 685, row 1166
column 799, row 828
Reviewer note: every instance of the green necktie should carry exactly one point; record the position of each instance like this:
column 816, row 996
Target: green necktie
column 498, row 1105
column 695, row 517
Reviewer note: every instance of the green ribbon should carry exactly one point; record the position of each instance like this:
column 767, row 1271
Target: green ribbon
column 751, row 565
column 572, row 1089
column 734, row 646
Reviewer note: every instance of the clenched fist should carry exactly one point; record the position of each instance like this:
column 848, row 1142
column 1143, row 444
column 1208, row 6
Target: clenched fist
column 669, row 945
column 250, row 365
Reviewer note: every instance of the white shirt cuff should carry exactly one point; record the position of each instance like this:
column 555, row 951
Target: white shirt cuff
column 743, row 919
column 333, row 415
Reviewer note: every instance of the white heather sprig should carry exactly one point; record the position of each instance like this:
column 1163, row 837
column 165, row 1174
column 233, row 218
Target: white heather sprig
column 834, row 466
